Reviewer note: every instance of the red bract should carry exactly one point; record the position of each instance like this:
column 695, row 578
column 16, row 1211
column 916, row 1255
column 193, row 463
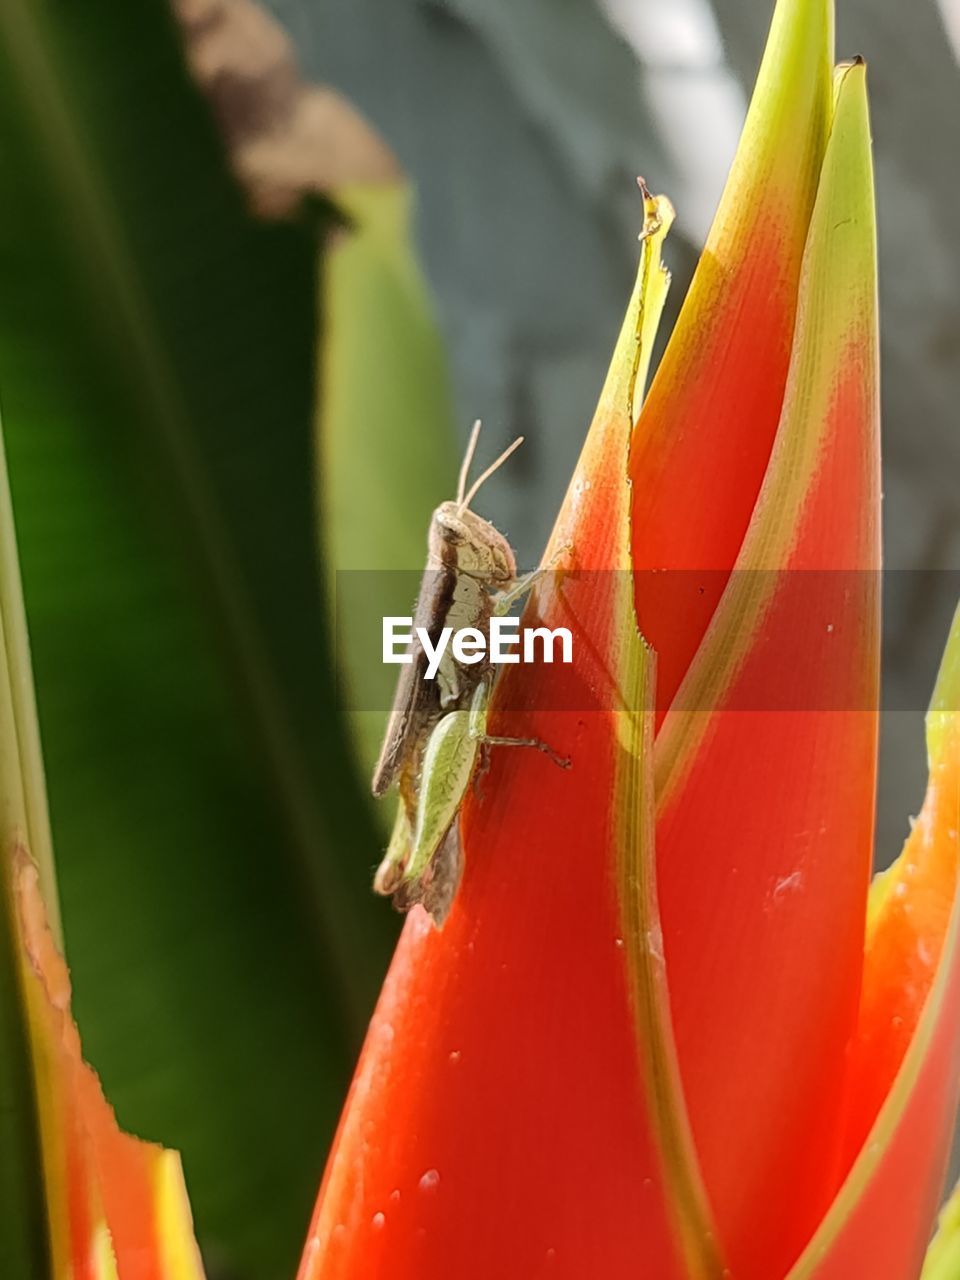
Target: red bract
column 659, row 1034
column 765, row 816
column 117, row 1207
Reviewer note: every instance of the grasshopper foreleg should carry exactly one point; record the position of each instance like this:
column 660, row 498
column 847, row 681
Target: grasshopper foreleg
column 505, row 600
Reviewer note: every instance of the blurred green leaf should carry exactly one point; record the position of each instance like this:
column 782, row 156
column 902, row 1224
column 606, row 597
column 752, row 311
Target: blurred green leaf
column 24, row 1248
column 157, row 353
column 943, row 1256
column 384, row 422
column 384, row 438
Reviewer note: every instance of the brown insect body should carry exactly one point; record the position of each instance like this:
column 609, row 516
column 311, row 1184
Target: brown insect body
column 469, row 564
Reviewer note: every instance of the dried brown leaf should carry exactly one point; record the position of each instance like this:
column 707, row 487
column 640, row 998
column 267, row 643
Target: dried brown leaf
column 287, row 138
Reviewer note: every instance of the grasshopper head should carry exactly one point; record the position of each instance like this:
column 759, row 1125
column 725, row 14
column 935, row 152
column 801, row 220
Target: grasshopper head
column 472, row 544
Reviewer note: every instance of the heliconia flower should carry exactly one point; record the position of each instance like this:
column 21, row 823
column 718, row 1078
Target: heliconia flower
column 82, row 1200
column 668, row 1029
column 117, row 1206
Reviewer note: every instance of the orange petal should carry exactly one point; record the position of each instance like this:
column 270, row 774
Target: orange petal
column 117, row 1206
column 905, row 1063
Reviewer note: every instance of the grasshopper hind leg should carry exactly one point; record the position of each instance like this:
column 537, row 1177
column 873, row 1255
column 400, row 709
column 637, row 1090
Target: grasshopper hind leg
column 436, row 889
column 389, row 874
column 562, row 762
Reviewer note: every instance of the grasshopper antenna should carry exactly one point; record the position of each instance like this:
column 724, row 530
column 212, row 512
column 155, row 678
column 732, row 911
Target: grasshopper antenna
column 494, row 466
column 467, row 460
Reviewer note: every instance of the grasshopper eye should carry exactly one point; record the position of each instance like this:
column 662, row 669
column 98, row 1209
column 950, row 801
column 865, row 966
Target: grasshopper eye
column 503, row 562
column 454, row 535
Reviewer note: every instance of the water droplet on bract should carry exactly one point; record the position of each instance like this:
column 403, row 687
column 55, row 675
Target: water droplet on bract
column 395, row 1196
column 430, row 1180
column 618, row 942
column 455, row 1055
column 551, row 1255
column 378, row 1221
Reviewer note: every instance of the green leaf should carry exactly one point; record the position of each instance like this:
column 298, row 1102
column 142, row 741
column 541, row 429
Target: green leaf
column 157, row 355
column 24, row 1243
column 384, row 439
column 943, row 1256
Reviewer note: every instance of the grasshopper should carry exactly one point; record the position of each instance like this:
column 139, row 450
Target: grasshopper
column 437, row 728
